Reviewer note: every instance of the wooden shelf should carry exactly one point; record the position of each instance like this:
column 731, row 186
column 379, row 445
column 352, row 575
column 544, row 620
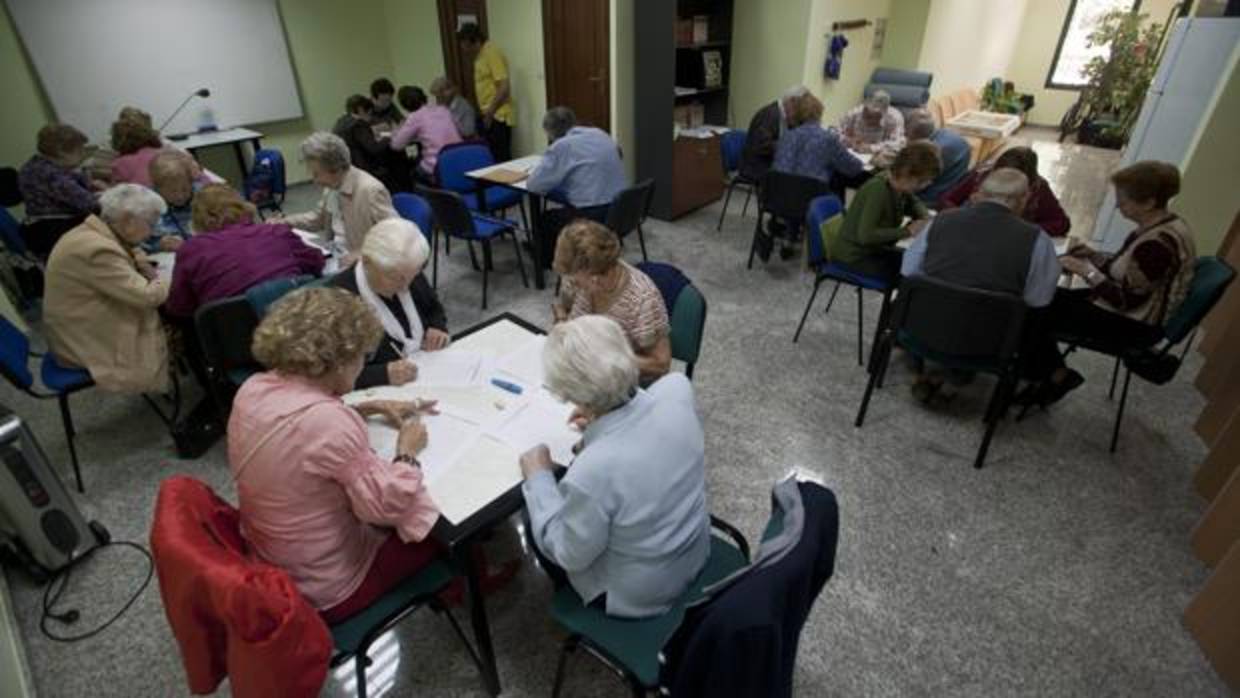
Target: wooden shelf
column 721, row 43
column 707, row 92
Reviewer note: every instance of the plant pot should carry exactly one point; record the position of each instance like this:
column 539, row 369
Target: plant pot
column 1099, row 133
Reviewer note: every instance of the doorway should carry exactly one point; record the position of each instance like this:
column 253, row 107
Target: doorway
column 459, row 67
column 577, row 54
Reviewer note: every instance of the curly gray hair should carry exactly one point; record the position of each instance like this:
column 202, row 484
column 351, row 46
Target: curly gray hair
column 588, row 362
column 327, row 149
column 130, row 201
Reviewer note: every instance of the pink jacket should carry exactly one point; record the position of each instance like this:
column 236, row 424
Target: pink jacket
column 433, row 127
column 315, row 499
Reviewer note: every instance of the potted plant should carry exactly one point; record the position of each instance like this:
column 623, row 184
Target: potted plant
column 1118, row 81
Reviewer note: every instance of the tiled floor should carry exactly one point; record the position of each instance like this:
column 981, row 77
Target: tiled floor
column 1057, row 570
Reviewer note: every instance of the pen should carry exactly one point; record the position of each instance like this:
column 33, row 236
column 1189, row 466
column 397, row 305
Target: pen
column 505, row 385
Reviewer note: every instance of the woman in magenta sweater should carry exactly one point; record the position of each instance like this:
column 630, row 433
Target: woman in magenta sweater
column 1042, row 209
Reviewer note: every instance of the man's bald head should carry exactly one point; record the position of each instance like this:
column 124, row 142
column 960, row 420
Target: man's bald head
column 1006, row 186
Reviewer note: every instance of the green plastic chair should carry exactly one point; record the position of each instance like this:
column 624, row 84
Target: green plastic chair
column 688, row 322
column 630, row 648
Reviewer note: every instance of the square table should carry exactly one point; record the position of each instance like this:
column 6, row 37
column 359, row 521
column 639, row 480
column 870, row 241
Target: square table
column 230, row 136
column 525, row 165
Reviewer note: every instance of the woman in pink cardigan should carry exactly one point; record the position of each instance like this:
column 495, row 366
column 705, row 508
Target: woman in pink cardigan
column 315, row 499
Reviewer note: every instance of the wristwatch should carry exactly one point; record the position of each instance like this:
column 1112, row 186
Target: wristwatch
column 407, row 458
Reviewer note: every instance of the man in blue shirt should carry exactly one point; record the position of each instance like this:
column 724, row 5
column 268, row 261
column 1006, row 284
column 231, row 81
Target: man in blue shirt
column 953, row 150
column 581, row 169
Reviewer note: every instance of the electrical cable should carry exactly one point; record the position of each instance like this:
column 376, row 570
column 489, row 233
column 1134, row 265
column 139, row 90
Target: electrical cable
column 50, row 598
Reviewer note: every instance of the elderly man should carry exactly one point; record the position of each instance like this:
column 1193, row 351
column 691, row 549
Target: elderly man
column 172, row 177
column 953, row 151
column 447, row 95
column 874, row 126
column 766, row 127
column 581, row 168
column 987, row 246
column 352, row 202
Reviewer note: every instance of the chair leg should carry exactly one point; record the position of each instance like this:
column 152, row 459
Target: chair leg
column 1119, row 415
column 525, row 219
column 473, row 260
column 516, row 245
column 435, row 256
column 67, row 419
column 460, row 633
column 883, row 312
column 885, row 356
column 994, row 411
column 860, row 328
column 726, row 198
column 359, row 666
column 753, row 244
column 831, row 300
column 808, row 305
column 570, row 646
column 1114, row 377
column 748, row 194
column 486, row 268
column 641, row 239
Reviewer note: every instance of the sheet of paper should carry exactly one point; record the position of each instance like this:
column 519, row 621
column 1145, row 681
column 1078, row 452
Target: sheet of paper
column 483, row 472
column 540, row 421
column 311, row 239
column 484, row 405
column 496, row 340
column 447, row 436
column 450, row 367
column 525, row 363
column 164, row 262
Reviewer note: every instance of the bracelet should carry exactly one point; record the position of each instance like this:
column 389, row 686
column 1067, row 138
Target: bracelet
column 407, row 458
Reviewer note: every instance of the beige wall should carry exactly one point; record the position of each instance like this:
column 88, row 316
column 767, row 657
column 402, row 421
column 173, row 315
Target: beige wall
column 516, row 27
column 413, row 41
column 1212, row 168
column 25, row 107
column 768, row 53
column 838, row 96
column 623, row 74
column 969, row 42
column 906, row 28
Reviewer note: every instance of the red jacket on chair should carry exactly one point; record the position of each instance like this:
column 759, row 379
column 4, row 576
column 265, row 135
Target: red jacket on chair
column 231, row 613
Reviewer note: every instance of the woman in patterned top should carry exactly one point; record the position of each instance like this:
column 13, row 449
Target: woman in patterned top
column 57, row 194
column 1131, row 293
column 597, row 282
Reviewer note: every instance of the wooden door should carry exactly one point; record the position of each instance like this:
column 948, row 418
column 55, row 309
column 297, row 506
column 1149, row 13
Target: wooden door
column 576, row 47
column 459, row 67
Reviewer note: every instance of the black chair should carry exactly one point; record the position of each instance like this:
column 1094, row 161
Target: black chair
column 959, row 328
column 455, row 219
column 225, row 328
column 785, row 196
column 628, row 211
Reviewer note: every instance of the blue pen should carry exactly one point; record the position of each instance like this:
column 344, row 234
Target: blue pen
column 505, row 385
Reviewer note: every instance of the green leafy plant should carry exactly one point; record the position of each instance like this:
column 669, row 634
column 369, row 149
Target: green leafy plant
column 1118, row 82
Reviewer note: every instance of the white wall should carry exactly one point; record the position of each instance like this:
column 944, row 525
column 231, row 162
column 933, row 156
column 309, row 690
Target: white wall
column 968, row 42
column 623, row 63
column 844, row 93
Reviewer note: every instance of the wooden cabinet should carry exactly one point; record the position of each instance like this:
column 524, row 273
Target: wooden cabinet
column 697, row 173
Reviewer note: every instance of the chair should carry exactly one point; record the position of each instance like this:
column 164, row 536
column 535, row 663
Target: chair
column 225, row 328
column 450, row 171
column 628, row 211
column 1211, row 277
column 262, row 295
column 732, row 145
column 414, row 208
column 456, row 220
column 61, row 380
column 959, row 328
column 786, row 196
column 909, row 89
column 686, row 310
column 630, row 647
column 272, row 159
column 212, row 583
column 820, row 209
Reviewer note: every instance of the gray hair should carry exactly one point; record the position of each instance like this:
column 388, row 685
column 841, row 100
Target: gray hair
column 558, row 121
column 794, row 92
column 131, row 201
column 327, row 149
column 394, row 243
column 588, row 362
column 1006, row 185
column 919, row 125
column 878, row 99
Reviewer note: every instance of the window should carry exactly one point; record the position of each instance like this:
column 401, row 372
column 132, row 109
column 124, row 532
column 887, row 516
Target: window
column 1073, row 53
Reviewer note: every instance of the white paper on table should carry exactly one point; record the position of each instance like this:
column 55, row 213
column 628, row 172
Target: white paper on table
column 481, row 404
column 447, row 436
column 540, row 421
column 480, row 474
column 496, row 340
column 526, row 363
column 449, row 367
column 312, row 240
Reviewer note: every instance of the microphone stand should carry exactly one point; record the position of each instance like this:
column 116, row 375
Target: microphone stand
column 195, row 93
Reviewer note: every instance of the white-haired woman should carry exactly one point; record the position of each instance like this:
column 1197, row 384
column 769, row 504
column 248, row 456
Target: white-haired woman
column 352, row 202
column 628, row 522
column 389, row 278
column 100, row 306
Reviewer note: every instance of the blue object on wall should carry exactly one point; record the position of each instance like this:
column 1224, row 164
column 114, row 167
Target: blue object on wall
column 835, row 56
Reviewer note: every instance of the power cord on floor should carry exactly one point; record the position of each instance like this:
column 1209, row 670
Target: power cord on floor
column 70, row 616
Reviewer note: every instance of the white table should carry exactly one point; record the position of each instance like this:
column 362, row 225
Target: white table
column 210, row 139
column 985, row 124
column 526, row 165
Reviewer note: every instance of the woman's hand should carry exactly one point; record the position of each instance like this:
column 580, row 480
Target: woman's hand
column 146, row 269
column 412, row 438
column 170, row 243
column 536, row 460
column 1077, row 248
column 401, row 371
column 1075, row 265
column 435, row 339
column 580, row 419
column 914, row 228
column 397, row 411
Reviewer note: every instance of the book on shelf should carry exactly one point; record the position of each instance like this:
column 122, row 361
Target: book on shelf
column 712, row 69
column 701, row 28
column 684, row 31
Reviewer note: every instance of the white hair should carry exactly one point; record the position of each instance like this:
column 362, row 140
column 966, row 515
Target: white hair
column 327, row 149
column 794, row 92
column 131, row 201
column 878, row 99
column 588, row 362
column 1005, row 185
column 919, row 125
column 395, row 243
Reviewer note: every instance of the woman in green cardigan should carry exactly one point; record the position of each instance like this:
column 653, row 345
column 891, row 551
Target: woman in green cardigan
column 873, row 223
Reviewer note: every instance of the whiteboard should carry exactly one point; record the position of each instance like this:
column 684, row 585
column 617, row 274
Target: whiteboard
column 95, row 56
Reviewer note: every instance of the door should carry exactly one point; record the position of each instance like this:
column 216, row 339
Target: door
column 576, row 46
column 459, row 67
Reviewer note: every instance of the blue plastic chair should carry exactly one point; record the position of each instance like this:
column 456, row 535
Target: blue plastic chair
column 820, row 209
column 414, row 208
column 733, row 144
column 274, row 159
column 455, row 160
column 456, row 220
column 62, row 380
column 10, row 234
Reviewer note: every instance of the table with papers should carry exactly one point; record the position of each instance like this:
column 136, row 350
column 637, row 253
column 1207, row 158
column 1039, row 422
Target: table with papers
column 514, row 174
column 165, row 262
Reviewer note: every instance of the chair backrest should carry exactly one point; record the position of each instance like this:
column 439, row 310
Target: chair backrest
column 788, row 195
column 10, row 233
column 262, row 295
column 10, row 193
column 1211, row 277
column 452, row 216
column 686, row 310
column 414, row 208
column 225, row 329
column 275, row 160
column 457, row 159
column 935, row 107
column 14, row 355
column 820, row 209
column 628, row 209
column 949, row 320
column 732, row 145
column 909, row 89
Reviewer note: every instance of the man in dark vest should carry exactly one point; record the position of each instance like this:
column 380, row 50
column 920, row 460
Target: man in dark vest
column 767, row 125
column 986, row 245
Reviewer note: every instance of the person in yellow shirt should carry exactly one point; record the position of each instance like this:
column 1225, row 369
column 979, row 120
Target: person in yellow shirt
column 492, row 88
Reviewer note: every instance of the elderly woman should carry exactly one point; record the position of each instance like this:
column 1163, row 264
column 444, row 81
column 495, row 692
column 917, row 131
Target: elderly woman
column 352, row 202
column 874, row 125
column 429, row 125
column 389, row 279
column 230, row 252
column 1130, row 293
column 447, row 95
column 597, row 282
column 172, row 177
column 136, row 144
column 874, row 222
column 315, row 499
column 1042, row 208
column 56, row 193
column 100, row 308
column 628, row 522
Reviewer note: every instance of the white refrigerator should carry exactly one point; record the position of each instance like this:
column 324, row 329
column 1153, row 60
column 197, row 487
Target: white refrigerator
column 1191, row 71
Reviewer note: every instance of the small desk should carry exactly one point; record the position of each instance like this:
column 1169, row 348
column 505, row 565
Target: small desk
column 526, row 165
column 230, row 136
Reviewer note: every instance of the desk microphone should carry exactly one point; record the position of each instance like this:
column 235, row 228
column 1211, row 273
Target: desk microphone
column 204, row 92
